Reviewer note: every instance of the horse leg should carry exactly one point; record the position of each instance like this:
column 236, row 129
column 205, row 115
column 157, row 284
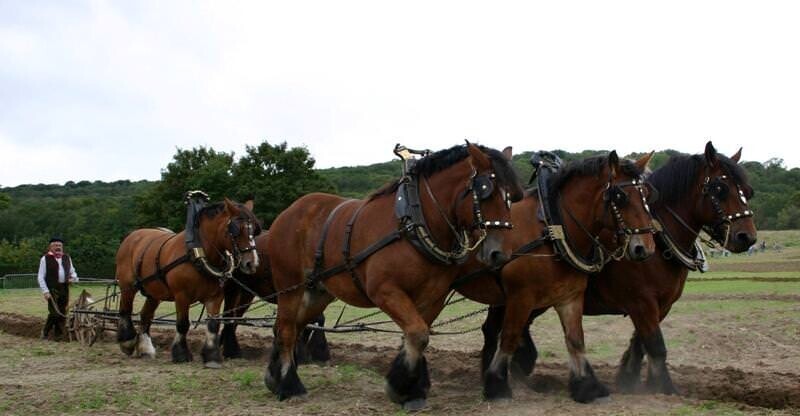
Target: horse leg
column 495, row 378
column 313, row 345
column 491, row 334
column 583, row 385
column 630, row 366
column 212, row 356
column 144, row 346
column 235, row 299
column 180, row 349
column 524, row 359
column 281, row 376
column 646, row 319
column 658, row 378
column 408, row 380
column 126, row 333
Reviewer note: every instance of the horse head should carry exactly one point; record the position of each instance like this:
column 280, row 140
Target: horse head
column 612, row 193
column 241, row 227
column 722, row 205
column 480, row 185
column 492, row 190
column 626, row 198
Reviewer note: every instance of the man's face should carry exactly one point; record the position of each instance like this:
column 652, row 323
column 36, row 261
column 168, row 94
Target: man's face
column 57, row 247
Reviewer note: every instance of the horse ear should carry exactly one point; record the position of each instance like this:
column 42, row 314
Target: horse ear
column 479, row 160
column 737, row 156
column 711, row 154
column 644, row 160
column 230, row 208
column 613, row 162
column 249, row 205
column 507, row 152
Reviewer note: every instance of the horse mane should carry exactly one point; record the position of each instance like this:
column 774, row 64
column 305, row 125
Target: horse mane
column 212, row 210
column 590, row 166
column 438, row 161
column 675, row 179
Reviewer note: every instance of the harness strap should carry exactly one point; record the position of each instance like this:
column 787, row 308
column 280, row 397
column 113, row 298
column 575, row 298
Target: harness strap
column 161, row 272
column 318, row 276
column 495, row 272
column 673, row 251
column 557, row 233
column 348, row 262
column 319, row 255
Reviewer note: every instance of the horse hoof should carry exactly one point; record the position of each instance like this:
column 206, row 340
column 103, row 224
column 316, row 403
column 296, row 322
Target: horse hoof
column 212, row 364
column 586, row 389
column 414, row 405
column 128, row 347
column 270, row 383
column 394, row 396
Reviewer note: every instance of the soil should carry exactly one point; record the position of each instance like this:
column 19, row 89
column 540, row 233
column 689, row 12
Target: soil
column 768, row 379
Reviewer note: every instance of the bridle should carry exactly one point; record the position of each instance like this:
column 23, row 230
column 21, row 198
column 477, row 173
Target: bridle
column 615, row 198
column 717, row 190
column 234, row 230
column 481, row 187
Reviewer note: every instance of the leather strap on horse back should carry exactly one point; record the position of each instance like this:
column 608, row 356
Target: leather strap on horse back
column 671, row 250
column 161, row 272
column 408, row 210
column 350, row 263
column 544, row 167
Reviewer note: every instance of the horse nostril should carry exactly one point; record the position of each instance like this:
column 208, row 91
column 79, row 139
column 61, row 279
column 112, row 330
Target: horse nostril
column 745, row 238
column 639, row 251
column 497, row 257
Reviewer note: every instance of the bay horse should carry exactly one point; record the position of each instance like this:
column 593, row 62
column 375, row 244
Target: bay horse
column 184, row 270
column 408, row 238
column 239, row 294
column 706, row 191
column 594, row 207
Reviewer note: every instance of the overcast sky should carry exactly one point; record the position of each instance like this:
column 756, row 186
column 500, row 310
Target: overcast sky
column 108, row 90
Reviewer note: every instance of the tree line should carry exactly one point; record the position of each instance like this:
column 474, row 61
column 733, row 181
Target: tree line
column 94, row 216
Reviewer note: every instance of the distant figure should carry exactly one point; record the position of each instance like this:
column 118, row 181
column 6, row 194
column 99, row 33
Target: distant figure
column 763, row 246
column 56, row 272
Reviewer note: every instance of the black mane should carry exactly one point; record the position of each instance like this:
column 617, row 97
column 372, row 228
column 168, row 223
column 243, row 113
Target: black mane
column 436, row 162
column 675, row 179
column 212, row 210
column 590, row 166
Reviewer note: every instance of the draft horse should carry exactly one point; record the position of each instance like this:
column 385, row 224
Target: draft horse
column 579, row 218
column 407, row 238
column 312, row 345
column 185, row 268
column 699, row 192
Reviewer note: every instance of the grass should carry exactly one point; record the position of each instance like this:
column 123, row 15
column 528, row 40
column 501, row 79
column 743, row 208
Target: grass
column 246, row 378
column 742, row 287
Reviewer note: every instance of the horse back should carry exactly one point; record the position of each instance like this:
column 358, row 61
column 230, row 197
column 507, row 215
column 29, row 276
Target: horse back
column 137, row 253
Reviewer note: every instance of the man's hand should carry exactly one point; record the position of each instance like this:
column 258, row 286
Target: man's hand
column 47, row 296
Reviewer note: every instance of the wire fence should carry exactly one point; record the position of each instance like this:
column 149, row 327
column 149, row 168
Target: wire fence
column 29, row 281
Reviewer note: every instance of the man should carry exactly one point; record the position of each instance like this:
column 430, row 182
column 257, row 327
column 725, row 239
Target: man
column 56, row 272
